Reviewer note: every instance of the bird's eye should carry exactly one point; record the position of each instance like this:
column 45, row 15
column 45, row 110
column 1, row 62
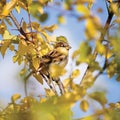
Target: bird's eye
column 62, row 45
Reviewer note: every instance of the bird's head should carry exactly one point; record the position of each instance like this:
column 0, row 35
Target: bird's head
column 62, row 42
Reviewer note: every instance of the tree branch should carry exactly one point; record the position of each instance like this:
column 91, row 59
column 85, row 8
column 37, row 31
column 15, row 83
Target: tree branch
column 103, row 33
column 20, row 29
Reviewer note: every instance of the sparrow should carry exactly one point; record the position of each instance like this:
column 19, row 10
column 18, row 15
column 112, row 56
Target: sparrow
column 59, row 56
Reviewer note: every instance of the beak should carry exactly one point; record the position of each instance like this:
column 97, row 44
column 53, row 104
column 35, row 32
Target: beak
column 69, row 47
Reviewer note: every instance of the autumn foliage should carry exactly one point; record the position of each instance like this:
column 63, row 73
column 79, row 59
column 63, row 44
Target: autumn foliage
column 31, row 41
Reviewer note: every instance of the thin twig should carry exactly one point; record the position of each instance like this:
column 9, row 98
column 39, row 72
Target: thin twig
column 20, row 29
column 105, row 29
column 25, row 80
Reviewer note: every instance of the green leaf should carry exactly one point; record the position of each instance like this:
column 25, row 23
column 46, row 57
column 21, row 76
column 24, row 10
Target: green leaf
column 43, row 17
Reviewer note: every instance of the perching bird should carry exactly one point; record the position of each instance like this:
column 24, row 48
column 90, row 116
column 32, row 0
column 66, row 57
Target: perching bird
column 58, row 56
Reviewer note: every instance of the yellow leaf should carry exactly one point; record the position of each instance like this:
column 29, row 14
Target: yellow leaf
column 49, row 92
column 36, row 63
column 100, row 48
column 92, row 25
column 83, row 9
column 56, row 70
column 39, row 78
column 5, row 46
column 75, row 73
column 7, row 35
column 15, row 58
column 75, row 54
column 99, row 97
column 18, row 8
column 8, row 7
column 15, row 97
column 41, row 10
column 61, row 19
column 42, row 100
column 84, row 105
column 23, row 71
column 11, row 47
column 90, row 4
column 22, row 47
column 61, row 38
column 51, row 28
column 84, row 52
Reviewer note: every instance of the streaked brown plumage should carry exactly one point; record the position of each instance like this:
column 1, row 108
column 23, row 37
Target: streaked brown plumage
column 58, row 56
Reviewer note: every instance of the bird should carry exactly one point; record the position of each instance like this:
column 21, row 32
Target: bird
column 58, row 56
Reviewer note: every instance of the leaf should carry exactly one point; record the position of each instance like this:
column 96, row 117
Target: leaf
column 15, row 58
column 56, row 70
column 82, row 9
column 11, row 47
column 84, row 53
column 92, row 27
column 7, row 35
column 22, row 48
column 39, row 78
column 84, row 105
column 41, row 10
column 15, row 97
column 36, row 26
column 75, row 54
column 23, row 71
column 8, row 7
column 43, row 17
column 101, row 48
column 90, row 4
column 5, row 46
column 118, row 78
column 8, row 21
column 75, row 73
column 61, row 19
column 36, row 63
column 61, row 38
column 99, row 96
column 51, row 28
column 18, row 9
